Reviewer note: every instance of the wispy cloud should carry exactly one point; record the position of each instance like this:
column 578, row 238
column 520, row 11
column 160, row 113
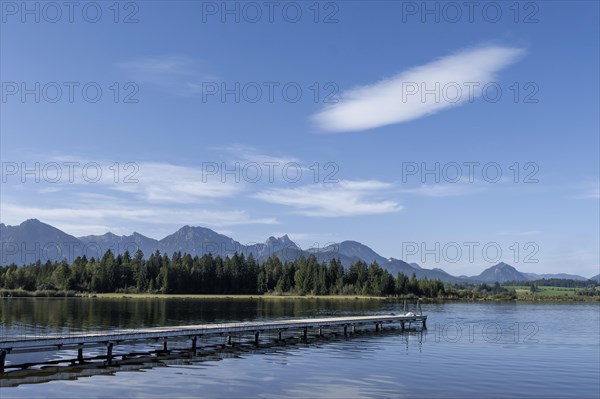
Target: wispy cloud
column 153, row 182
column 441, row 190
column 166, row 183
column 99, row 216
column 177, row 74
column 152, row 65
column 153, row 194
column 244, row 153
column 346, row 198
column 390, row 101
column 591, row 193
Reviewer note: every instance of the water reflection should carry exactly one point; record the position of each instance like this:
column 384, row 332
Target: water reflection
column 144, row 356
column 26, row 315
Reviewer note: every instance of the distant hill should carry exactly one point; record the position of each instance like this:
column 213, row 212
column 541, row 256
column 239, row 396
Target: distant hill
column 282, row 247
column 33, row 240
column 198, row 241
column 397, row 265
column 415, row 265
column 501, row 273
column 400, row 266
column 353, row 249
column 596, row 278
column 119, row 244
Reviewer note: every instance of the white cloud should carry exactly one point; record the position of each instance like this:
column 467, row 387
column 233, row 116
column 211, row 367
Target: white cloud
column 98, row 216
column 441, row 190
column 243, row 153
column 149, row 181
column 180, row 75
column 166, row 183
column 346, row 198
column 390, row 101
column 163, row 196
column 166, row 64
column 592, row 193
column 589, row 189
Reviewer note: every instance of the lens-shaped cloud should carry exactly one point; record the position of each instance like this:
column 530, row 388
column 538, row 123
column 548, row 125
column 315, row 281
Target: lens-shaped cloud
column 417, row 92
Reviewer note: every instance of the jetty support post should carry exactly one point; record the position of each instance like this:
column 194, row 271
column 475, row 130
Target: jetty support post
column 80, row 353
column 109, row 355
column 305, row 334
column 376, row 327
column 320, row 332
column 229, row 340
column 2, row 360
column 402, row 325
column 194, row 344
column 424, row 323
column 353, row 328
column 279, row 335
column 256, row 336
column 165, row 345
column 345, row 330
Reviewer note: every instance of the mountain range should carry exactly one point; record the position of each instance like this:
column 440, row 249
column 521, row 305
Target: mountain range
column 33, row 240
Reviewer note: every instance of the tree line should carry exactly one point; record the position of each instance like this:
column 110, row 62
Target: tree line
column 237, row 274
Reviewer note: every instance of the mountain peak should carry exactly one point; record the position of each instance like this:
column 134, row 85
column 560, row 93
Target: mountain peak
column 191, row 230
column 357, row 250
column 503, row 267
column 501, row 273
column 37, row 225
column 30, row 222
column 283, row 242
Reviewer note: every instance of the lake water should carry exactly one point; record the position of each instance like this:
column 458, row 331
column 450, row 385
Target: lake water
column 509, row 349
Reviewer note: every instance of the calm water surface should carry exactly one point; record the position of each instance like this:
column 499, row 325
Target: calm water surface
column 470, row 350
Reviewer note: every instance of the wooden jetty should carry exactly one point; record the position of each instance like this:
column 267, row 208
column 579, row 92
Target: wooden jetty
column 254, row 329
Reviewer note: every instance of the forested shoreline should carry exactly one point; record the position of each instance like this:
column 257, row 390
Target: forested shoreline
column 234, row 275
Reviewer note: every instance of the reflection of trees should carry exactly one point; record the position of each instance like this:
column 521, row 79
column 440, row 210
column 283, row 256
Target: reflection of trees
column 89, row 313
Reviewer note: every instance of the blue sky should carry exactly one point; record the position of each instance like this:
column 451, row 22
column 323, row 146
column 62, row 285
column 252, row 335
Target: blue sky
column 363, row 120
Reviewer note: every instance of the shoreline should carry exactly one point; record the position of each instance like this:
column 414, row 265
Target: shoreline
column 7, row 294
column 225, row 296
column 333, row 297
